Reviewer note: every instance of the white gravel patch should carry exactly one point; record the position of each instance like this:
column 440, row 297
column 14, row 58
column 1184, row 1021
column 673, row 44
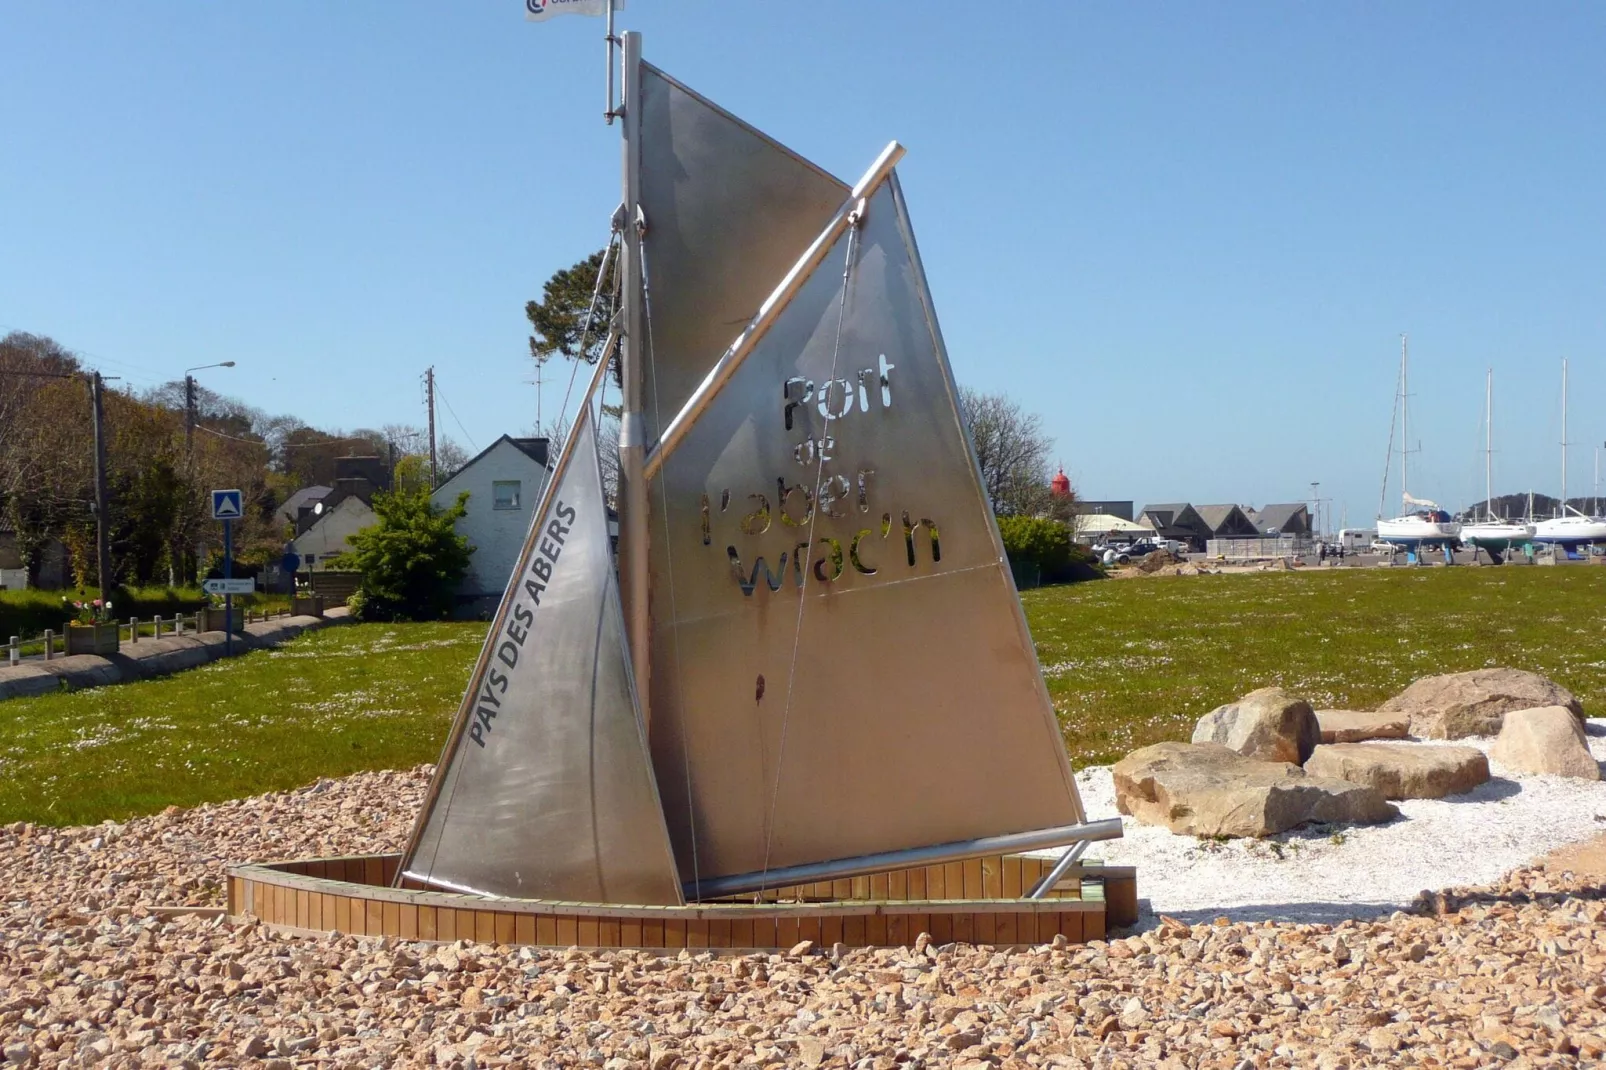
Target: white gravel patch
column 1327, row 874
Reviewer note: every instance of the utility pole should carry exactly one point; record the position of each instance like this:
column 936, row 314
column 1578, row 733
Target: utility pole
column 103, row 556
column 1316, row 507
column 189, row 424
column 429, row 390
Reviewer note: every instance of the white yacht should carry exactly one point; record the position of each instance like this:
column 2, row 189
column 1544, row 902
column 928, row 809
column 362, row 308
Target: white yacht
column 1572, row 528
column 1422, row 523
column 1492, row 534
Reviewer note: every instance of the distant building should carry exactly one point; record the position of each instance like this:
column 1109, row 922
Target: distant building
column 1106, row 527
column 1177, row 520
column 504, row 484
column 1121, row 509
column 1227, row 521
column 1289, row 519
column 329, row 529
column 306, row 496
column 1060, row 485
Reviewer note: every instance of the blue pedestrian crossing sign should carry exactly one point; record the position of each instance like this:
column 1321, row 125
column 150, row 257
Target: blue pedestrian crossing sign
column 227, row 505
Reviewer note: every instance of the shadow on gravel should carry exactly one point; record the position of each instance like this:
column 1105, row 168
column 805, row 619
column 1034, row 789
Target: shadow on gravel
column 1426, row 903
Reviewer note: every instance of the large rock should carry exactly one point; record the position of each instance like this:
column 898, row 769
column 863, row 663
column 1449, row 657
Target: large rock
column 1270, row 724
column 1545, row 740
column 1357, row 726
column 1461, row 704
column 1206, row 789
column 1402, row 770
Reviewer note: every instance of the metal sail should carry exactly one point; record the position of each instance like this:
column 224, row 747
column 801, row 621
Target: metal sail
column 840, row 666
column 545, row 789
column 728, row 210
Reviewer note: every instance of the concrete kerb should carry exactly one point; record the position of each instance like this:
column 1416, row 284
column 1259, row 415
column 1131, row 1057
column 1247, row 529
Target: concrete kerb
column 152, row 657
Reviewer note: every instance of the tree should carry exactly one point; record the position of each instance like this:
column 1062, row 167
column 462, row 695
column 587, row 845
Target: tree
column 411, row 560
column 558, row 319
column 1012, row 450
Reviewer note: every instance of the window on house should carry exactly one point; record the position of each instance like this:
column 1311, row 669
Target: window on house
column 505, row 494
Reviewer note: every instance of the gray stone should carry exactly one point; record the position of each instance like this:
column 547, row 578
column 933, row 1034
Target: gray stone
column 1402, row 770
column 1270, row 724
column 1461, row 704
column 1206, row 789
column 1357, row 726
column 1545, row 740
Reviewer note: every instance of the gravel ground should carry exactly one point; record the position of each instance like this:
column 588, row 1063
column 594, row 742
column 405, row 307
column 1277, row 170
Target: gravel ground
column 92, row 973
column 1361, row 871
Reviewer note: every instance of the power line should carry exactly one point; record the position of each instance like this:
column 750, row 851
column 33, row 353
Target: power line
column 455, row 420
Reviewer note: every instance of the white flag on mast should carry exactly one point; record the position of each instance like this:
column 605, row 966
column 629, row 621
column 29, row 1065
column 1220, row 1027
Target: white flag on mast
column 541, row 10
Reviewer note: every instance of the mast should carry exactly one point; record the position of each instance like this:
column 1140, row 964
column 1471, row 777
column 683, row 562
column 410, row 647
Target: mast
column 1488, row 443
column 1405, row 418
column 633, row 573
column 1562, row 511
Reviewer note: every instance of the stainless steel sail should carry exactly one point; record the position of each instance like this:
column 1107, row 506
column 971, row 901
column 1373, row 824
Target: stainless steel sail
column 727, row 211
column 840, row 666
column 545, row 789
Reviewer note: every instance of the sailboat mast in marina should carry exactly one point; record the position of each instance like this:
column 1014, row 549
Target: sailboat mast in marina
column 1569, row 528
column 1491, row 534
column 1423, row 524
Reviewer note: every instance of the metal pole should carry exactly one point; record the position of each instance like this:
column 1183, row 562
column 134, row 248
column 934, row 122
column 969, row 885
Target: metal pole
column 610, row 40
column 228, row 598
column 632, row 483
column 840, row 868
column 103, row 555
column 1062, row 867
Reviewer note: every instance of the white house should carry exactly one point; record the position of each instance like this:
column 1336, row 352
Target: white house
column 328, row 534
column 504, row 484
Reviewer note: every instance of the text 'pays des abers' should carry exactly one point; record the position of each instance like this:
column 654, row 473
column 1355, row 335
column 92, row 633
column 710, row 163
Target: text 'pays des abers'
column 527, row 593
column 786, row 513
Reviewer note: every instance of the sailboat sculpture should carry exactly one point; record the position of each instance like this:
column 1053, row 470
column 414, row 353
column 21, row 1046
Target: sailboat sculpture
column 1492, row 534
column 812, row 664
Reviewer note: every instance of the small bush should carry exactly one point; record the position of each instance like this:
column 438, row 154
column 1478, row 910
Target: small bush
column 411, row 561
column 1036, row 543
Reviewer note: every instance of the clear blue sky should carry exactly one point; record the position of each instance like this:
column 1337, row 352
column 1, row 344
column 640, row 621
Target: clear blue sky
column 1188, row 235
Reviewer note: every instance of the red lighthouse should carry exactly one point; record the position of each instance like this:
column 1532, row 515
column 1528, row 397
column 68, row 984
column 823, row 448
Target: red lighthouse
column 1060, row 486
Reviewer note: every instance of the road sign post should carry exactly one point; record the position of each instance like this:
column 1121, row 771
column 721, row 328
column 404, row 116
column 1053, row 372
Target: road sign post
column 228, row 506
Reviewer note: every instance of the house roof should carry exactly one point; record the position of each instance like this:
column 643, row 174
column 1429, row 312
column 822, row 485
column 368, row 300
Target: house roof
column 1217, row 516
column 1166, row 513
column 536, row 449
column 305, row 496
column 1278, row 516
column 1090, row 522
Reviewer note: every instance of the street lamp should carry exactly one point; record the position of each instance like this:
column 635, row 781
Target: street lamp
column 189, row 408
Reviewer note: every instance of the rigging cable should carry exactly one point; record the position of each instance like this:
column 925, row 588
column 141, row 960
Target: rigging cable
column 855, row 220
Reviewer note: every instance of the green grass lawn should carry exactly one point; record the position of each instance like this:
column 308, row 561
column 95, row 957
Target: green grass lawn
column 335, row 701
column 1128, row 662
column 1134, row 662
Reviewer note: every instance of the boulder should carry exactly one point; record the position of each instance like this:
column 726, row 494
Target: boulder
column 1270, row 724
column 1545, row 740
column 1402, row 770
column 1356, row 726
column 1206, row 789
column 1461, row 704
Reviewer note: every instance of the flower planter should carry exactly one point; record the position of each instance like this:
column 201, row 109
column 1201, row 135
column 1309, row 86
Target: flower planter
column 99, row 639
column 309, row 605
column 211, row 619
